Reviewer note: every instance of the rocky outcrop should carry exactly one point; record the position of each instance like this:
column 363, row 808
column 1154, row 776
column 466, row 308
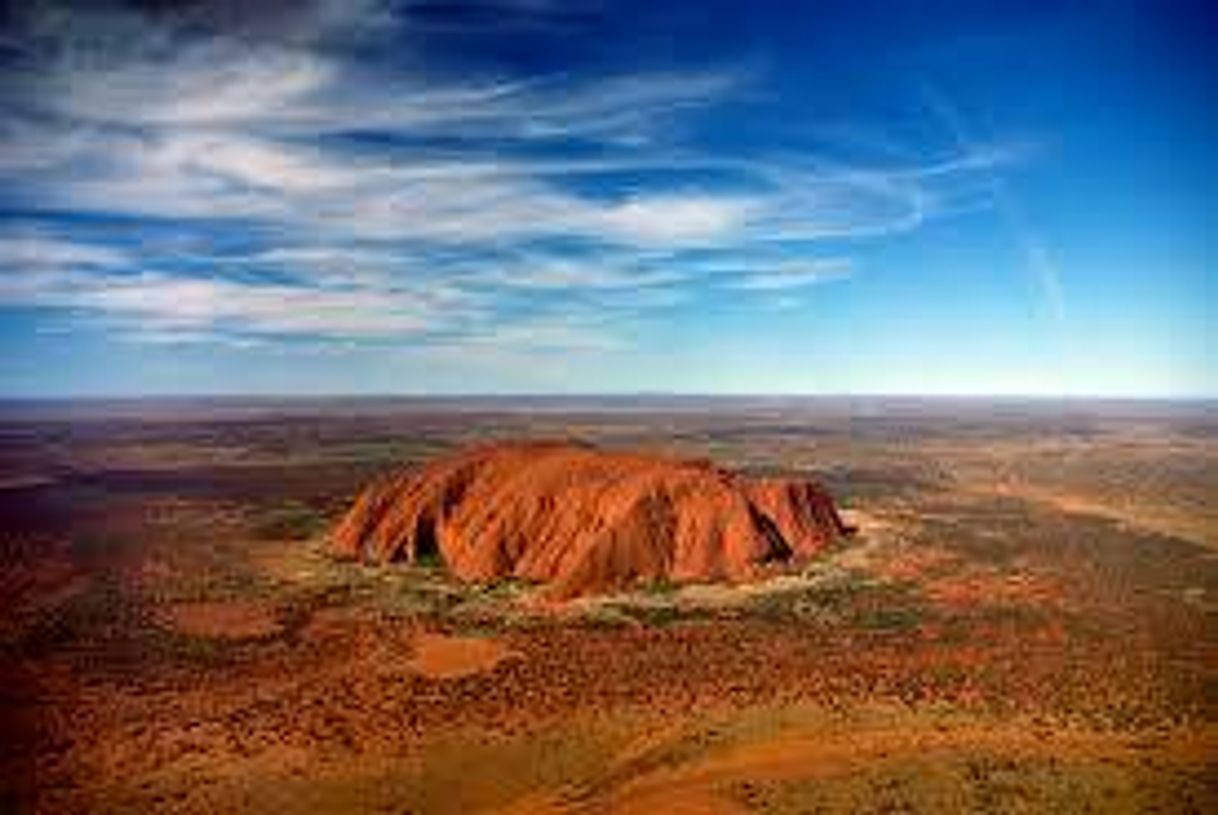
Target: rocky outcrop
column 585, row 520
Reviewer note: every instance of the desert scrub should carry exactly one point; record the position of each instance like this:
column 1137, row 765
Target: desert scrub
column 890, row 619
column 657, row 613
column 429, row 560
column 662, row 586
column 827, row 595
column 291, row 520
column 599, row 616
column 88, row 619
column 506, row 588
column 654, row 616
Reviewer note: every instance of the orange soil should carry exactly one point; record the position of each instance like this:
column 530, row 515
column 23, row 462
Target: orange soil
column 350, row 687
column 796, row 755
column 995, row 588
column 1127, row 512
column 231, row 620
column 442, row 657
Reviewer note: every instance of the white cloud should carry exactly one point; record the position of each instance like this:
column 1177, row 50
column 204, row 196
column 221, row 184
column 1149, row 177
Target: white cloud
column 165, row 303
column 27, row 250
column 215, row 84
column 542, row 271
column 678, row 218
column 265, row 130
column 254, row 163
column 795, row 275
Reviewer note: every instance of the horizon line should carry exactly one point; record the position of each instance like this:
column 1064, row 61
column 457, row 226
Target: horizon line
column 609, row 395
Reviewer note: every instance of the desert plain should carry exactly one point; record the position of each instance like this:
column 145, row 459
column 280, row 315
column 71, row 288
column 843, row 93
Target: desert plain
column 1022, row 621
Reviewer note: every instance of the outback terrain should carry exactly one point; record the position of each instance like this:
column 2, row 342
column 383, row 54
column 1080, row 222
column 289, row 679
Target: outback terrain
column 1023, row 620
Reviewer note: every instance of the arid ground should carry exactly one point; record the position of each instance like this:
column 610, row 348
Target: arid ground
column 1024, row 622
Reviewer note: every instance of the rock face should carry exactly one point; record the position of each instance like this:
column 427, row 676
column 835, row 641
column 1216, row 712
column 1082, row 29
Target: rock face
column 585, row 520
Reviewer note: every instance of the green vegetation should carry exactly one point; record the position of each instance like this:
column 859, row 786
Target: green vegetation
column 662, row 586
column 429, row 560
column 889, row 619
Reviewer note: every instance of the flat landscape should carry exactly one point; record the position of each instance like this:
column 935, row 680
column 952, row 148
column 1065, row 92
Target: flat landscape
column 1022, row 622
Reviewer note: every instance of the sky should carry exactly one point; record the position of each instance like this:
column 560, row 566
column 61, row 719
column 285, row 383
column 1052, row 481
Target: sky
column 588, row 196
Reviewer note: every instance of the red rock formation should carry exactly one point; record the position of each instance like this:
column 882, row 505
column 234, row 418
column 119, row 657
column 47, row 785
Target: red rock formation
column 585, row 520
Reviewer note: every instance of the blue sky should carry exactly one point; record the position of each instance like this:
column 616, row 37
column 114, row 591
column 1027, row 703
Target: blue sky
column 364, row 196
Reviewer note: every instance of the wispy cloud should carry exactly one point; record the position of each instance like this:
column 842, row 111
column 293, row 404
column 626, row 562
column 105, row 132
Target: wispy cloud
column 197, row 304
column 26, row 250
column 795, row 275
column 1037, row 256
column 331, row 187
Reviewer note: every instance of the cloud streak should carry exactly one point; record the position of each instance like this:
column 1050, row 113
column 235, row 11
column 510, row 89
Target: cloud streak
column 795, row 275
column 1037, row 256
column 325, row 186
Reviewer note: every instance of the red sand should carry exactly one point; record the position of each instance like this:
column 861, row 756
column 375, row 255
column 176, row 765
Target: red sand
column 585, row 520
column 443, row 657
column 225, row 620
